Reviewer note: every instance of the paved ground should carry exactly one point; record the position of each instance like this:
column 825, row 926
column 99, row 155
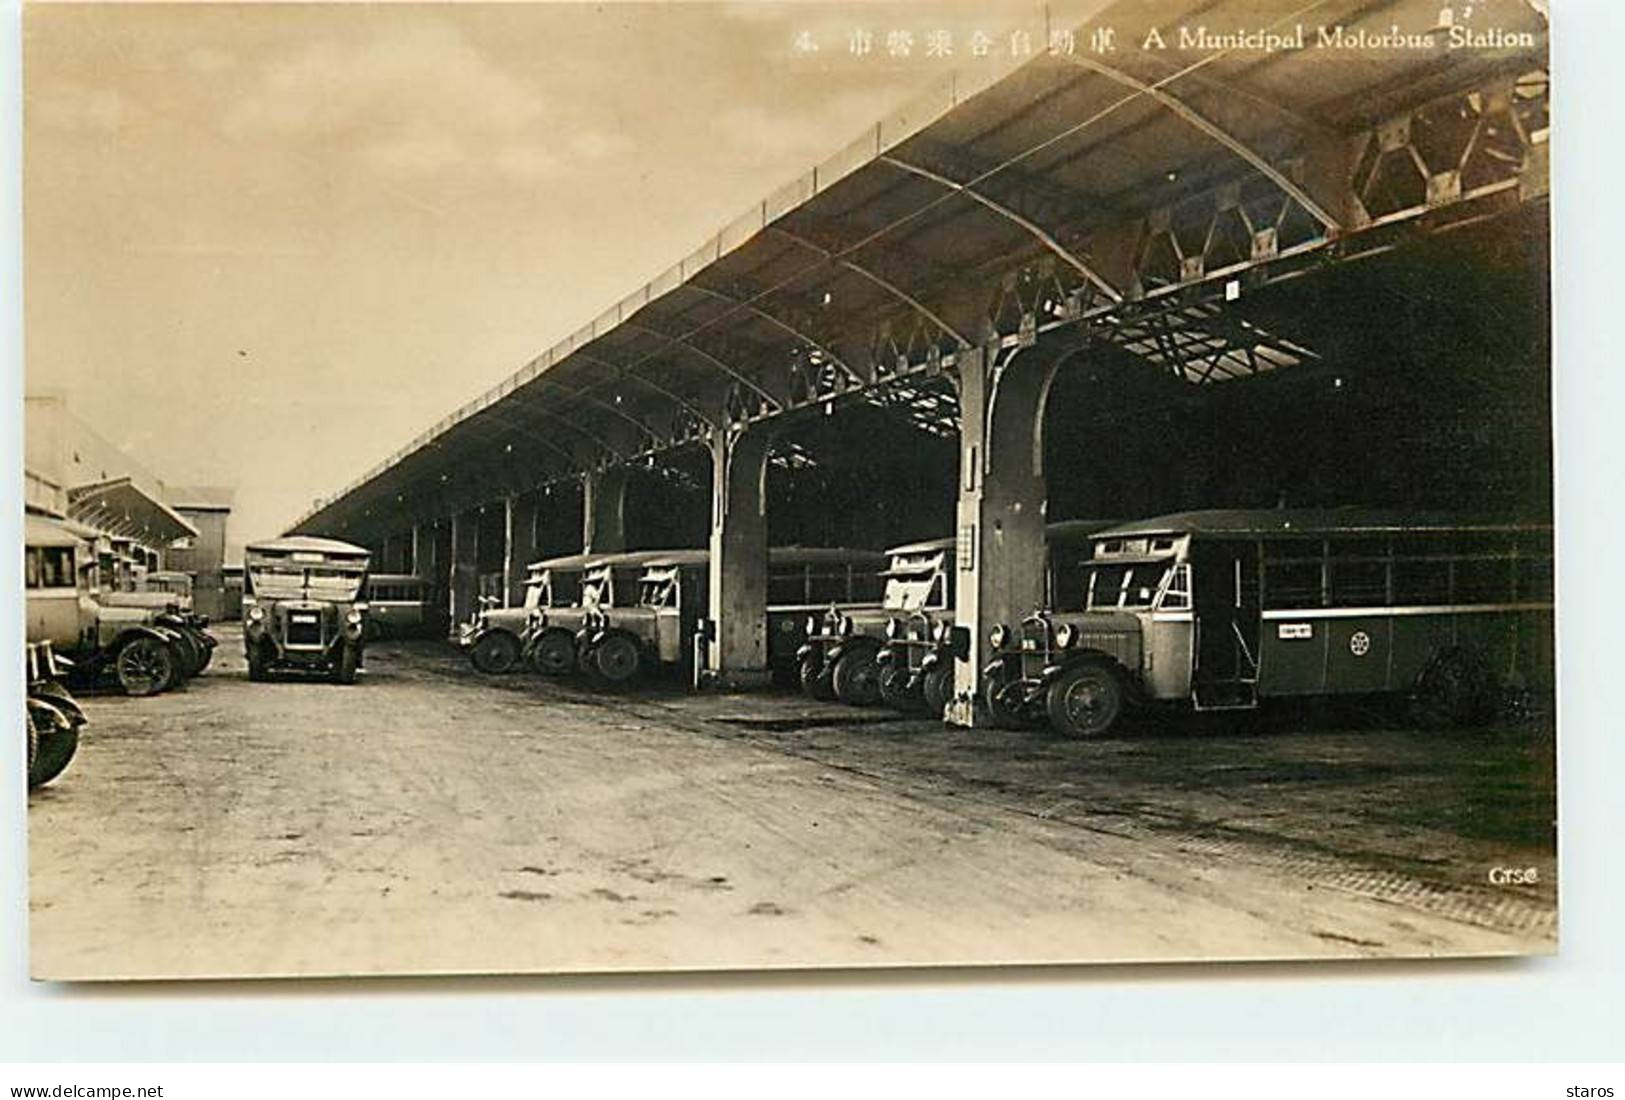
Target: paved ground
column 431, row 820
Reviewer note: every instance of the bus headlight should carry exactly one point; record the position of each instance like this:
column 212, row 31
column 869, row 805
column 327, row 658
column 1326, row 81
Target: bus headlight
column 894, row 628
column 1065, row 635
column 998, row 637
column 939, row 633
column 847, row 626
column 812, row 625
column 256, row 614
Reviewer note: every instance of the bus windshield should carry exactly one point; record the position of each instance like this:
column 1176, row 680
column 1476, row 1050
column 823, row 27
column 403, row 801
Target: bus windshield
column 1129, row 585
column 913, row 591
column 658, row 591
column 285, row 581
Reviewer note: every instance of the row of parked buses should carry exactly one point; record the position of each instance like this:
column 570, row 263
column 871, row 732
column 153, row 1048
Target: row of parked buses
column 1213, row 610
column 145, row 637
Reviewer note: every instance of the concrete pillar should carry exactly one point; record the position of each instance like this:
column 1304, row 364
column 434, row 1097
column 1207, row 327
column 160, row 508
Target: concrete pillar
column 414, row 564
column 737, row 654
column 522, row 542
column 508, row 552
column 603, row 529
column 1000, row 515
column 464, row 575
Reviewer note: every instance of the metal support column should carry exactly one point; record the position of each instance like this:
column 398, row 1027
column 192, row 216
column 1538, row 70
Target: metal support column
column 603, row 528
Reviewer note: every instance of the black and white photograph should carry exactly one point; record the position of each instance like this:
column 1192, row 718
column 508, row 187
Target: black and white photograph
column 552, row 488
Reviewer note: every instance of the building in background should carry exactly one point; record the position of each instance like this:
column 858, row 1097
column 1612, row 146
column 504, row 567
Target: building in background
column 112, row 500
column 207, row 508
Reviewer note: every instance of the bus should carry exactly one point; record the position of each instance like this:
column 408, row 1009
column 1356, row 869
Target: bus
column 1222, row 610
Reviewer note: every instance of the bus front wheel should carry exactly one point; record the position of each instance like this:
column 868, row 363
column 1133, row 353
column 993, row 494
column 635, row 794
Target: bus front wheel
column 1085, row 700
column 814, row 681
column 856, row 678
column 938, row 687
column 496, row 653
column 555, row 653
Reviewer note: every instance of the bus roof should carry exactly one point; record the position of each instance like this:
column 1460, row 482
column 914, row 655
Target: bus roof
column 1264, row 522
column 308, row 544
column 776, row 555
column 39, row 531
column 1064, row 530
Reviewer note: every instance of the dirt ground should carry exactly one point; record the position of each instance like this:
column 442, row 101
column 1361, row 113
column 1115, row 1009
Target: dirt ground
column 429, row 819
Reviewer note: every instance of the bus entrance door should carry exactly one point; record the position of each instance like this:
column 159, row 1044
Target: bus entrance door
column 1225, row 598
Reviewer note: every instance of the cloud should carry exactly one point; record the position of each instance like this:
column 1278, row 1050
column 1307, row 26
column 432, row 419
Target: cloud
column 411, row 101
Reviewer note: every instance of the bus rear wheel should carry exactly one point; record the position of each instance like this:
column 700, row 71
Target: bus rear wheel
column 1085, row 701
column 1456, row 689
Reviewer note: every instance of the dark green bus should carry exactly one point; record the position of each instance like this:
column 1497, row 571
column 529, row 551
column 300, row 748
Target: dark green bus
column 1222, row 609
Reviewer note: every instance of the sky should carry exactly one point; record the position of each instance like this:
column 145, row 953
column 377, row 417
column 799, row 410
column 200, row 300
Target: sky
column 267, row 245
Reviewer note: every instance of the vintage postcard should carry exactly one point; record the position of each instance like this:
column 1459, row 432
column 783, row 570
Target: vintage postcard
column 552, row 487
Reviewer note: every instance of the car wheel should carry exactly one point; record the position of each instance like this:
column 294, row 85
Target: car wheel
column 894, row 689
column 495, row 653
column 615, row 660
column 938, row 688
column 856, row 678
column 1085, row 700
column 145, row 666
column 814, row 680
column 555, row 653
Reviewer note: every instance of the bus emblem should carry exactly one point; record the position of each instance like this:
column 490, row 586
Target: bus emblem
column 1359, row 643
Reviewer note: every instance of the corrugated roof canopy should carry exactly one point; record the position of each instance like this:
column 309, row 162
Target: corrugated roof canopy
column 1080, row 187
column 122, row 509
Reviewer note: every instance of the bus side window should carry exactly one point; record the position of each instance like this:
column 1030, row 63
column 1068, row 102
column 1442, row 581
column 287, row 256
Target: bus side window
column 33, row 566
column 1484, row 580
column 1177, row 597
column 1292, row 584
column 1534, row 579
column 1359, row 583
column 1421, row 582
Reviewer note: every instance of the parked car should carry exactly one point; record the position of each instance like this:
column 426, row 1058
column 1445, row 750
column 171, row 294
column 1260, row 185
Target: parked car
column 667, row 625
column 1225, row 610
column 303, row 607
column 62, row 607
column 54, row 716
